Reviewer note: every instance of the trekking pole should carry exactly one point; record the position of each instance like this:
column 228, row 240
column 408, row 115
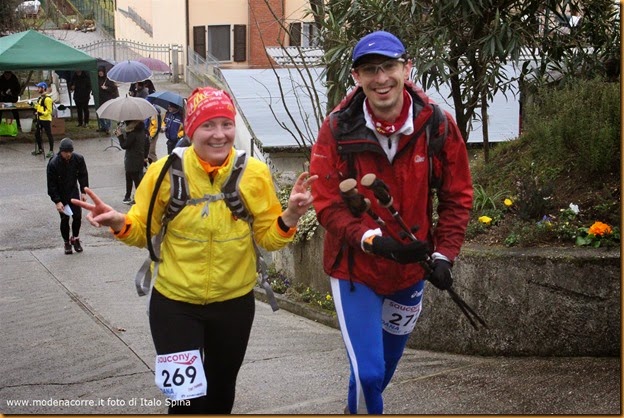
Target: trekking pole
column 356, row 202
column 382, row 193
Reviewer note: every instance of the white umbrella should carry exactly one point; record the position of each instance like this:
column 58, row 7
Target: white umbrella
column 126, row 108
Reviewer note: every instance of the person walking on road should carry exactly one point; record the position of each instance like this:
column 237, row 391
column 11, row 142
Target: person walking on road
column 376, row 277
column 81, row 86
column 67, row 177
column 43, row 116
column 202, row 300
column 108, row 90
column 134, row 141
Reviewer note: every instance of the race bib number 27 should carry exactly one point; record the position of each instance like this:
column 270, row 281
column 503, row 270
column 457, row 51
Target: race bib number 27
column 399, row 319
column 181, row 375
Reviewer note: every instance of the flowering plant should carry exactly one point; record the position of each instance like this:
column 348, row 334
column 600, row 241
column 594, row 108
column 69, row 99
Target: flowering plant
column 599, row 234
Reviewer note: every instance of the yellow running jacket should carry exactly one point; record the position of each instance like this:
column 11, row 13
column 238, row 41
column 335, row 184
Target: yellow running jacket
column 208, row 258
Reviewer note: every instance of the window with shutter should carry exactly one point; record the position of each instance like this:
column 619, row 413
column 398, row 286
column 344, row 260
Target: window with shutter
column 240, row 43
column 295, row 34
column 199, row 40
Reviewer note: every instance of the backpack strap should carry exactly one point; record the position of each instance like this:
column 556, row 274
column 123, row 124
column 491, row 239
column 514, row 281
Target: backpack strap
column 230, row 193
column 437, row 131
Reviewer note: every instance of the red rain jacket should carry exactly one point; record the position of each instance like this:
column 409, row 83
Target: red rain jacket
column 407, row 177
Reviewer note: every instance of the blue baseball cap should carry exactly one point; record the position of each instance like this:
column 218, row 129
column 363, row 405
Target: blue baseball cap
column 380, row 43
column 43, row 85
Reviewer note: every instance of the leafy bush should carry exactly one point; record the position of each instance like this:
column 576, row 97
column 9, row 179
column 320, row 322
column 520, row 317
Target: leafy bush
column 567, row 158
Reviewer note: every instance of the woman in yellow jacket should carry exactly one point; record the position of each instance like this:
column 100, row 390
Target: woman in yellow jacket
column 202, row 305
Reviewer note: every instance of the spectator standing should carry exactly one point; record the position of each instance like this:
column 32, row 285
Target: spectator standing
column 141, row 90
column 67, row 178
column 376, row 281
column 173, row 126
column 108, row 90
column 148, row 84
column 43, row 117
column 81, row 86
column 152, row 125
column 133, row 140
column 9, row 93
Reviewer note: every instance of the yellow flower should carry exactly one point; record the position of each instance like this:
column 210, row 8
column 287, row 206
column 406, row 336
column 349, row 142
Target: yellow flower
column 508, row 202
column 328, row 298
column 485, row 219
column 599, row 229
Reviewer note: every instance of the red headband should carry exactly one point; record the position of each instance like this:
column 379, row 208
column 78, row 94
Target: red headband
column 207, row 103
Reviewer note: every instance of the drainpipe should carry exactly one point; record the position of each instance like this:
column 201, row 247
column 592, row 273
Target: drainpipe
column 188, row 43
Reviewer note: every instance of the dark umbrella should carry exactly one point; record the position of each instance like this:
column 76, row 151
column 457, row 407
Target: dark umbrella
column 129, row 72
column 166, row 98
column 106, row 63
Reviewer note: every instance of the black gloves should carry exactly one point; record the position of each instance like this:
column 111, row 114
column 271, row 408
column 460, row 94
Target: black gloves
column 392, row 249
column 441, row 276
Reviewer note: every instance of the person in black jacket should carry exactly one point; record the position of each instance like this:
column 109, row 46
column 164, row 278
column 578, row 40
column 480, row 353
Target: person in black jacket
column 67, row 178
column 81, row 86
column 108, row 90
column 9, row 93
column 134, row 141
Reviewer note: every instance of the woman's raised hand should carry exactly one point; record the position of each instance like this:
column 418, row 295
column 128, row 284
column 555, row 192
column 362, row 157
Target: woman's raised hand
column 101, row 214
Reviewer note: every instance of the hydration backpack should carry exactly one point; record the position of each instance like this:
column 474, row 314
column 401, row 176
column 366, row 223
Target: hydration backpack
column 180, row 197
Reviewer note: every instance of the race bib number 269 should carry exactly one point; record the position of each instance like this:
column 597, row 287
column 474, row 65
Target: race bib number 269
column 181, row 375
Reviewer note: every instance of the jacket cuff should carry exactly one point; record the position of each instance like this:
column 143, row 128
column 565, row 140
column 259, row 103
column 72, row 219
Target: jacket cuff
column 125, row 230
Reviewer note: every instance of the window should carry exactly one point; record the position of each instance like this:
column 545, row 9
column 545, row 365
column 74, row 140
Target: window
column 303, row 34
column 219, row 42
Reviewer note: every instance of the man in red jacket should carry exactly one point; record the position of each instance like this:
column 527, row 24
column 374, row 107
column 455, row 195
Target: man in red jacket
column 376, row 274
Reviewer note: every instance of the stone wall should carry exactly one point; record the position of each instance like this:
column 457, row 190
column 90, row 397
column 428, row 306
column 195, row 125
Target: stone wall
column 536, row 301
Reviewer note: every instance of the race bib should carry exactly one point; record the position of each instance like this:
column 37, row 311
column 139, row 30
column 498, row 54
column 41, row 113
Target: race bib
column 181, row 375
column 399, row 319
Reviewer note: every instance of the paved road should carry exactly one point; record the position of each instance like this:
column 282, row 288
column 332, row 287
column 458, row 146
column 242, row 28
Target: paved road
column 75, row 336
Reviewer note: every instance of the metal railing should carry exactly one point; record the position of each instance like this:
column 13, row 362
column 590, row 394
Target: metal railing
column 121, row 50
column 102, row 11
column 136, row 18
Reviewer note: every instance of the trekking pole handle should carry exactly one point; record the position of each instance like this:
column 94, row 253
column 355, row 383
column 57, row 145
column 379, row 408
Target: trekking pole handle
column 382, row 193
column 356, row 202
column 379, row 188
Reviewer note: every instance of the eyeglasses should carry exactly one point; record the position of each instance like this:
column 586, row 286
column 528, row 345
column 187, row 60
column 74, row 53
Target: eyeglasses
column 388, row 67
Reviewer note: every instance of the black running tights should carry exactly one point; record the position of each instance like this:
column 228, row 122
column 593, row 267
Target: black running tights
column 220, row 330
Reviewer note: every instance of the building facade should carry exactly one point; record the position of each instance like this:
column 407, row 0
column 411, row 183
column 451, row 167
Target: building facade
column 234, row 33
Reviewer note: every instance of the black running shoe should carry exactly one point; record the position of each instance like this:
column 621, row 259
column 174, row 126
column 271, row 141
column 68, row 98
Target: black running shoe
column 76, row 243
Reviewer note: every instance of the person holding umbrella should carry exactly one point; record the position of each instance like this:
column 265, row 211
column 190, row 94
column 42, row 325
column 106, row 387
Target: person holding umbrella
column 202, row 303
column 130, row 134
column 134, row 141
